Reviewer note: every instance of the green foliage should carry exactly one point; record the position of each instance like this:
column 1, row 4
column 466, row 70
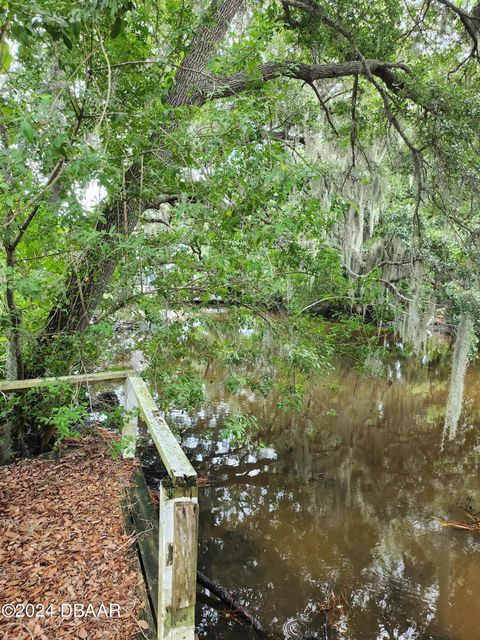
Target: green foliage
column 242, row 429
column 52, row 408
column 235, row 383
column 268, row 193
column 292, row 397
column 47, row 414
column 115, row 417
column 330, row 412
column 301, row 358
column 64, row 419
column 261, row 384
column 179, row 391
column 120, row 446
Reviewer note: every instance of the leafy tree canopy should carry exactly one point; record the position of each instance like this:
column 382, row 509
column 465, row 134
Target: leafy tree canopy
column 281, row 159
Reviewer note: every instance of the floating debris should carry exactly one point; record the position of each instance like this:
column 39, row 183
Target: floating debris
column 473, row 525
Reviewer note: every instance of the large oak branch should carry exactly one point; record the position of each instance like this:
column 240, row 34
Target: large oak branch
column 309, row 73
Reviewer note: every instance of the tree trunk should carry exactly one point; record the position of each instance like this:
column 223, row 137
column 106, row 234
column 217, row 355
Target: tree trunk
column 15, row 358
column 88, row 279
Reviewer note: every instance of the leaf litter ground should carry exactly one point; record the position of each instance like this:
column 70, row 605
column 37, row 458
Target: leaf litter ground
column 63, row 542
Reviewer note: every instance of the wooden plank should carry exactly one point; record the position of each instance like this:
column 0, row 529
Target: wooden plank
column 165, row 551
column 147, row 614
column 130, row 426
column 171, row 453
column 185, row 536
column 145, row 524
column 19, row 385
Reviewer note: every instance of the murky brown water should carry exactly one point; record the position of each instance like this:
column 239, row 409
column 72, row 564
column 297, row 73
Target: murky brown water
column 351, row 500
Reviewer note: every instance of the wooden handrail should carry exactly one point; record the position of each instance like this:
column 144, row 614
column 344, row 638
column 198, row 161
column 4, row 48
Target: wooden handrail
column 178, row 513
column 176, row 462
column 178, row 500
column 20, row 385
column 173, row 457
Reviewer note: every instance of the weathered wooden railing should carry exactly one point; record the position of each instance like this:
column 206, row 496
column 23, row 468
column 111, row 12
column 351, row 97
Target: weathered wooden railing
column 178, row 500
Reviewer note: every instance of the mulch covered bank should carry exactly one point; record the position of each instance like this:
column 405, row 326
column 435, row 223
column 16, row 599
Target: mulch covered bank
column 62, row 543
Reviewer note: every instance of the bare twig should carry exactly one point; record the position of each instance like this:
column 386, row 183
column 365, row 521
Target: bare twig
column 324, row 107
column 109, row 83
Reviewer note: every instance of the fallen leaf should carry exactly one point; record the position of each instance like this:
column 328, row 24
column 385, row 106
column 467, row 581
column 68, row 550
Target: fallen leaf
column 143, row 624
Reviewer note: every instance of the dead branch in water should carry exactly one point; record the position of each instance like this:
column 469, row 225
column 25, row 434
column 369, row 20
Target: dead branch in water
column 458, row 524
column 227, row 598
column 473, row 526
column 332, row 607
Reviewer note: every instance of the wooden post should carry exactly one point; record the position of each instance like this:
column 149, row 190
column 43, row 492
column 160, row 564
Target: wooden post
column 130, row 426
column 177, row 562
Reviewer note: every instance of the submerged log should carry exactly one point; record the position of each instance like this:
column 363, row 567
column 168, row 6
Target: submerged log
column 227, row 598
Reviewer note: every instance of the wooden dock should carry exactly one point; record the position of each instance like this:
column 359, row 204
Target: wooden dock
column 166, row 544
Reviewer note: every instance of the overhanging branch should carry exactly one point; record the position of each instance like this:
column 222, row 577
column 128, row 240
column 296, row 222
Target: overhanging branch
column 227, row 86
column 470, row 23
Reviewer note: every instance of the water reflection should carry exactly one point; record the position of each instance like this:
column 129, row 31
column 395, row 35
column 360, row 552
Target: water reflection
column 348, row 494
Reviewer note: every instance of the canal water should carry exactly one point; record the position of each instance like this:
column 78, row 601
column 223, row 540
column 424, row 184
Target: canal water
column 348, row 496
